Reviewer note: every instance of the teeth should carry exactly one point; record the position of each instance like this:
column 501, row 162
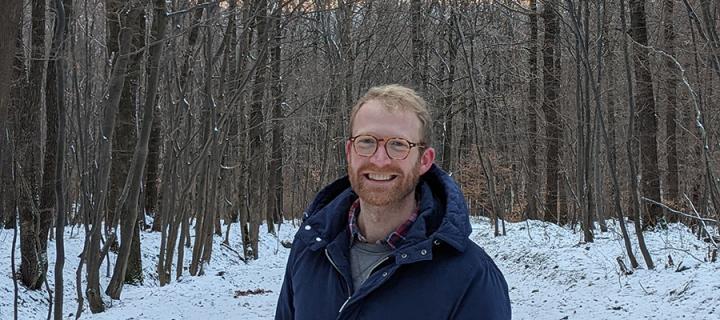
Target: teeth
column 379, row 177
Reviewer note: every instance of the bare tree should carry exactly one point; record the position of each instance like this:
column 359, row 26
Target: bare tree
column 129, row 208
column 417, row 42
column 110, row 104
column 275, row 185
column 33, row 242
column 126, row 128
column 256, row 127
column 448, row 92
column 533, row 189
column 58, row 161
column 9, row 22
column 647, row 117
column 634, row 188
column 580, row 15
column 670, row 89
column 551, row 108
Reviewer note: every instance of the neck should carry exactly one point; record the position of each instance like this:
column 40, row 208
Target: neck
column 376, row 222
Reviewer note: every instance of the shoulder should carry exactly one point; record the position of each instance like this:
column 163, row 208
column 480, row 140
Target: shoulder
column 467, row 283
column 480, row 267
column 486, row 291
column 476, row 255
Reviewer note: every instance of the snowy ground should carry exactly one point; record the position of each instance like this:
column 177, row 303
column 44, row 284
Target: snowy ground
column 553, row 275
column 550, row 272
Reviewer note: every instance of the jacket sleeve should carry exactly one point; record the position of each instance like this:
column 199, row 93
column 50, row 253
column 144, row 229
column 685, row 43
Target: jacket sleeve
column 285, row 307
column 486, row 297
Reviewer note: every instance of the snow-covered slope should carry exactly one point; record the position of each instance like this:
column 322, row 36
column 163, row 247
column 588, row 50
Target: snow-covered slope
column 551, row 275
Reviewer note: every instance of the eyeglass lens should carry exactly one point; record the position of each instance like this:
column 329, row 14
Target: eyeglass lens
column 396, row 148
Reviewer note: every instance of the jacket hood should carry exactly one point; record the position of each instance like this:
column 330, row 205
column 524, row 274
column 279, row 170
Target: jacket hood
column 443, row 214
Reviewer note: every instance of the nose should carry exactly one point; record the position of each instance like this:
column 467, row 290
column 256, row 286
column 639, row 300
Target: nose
column 380, row 158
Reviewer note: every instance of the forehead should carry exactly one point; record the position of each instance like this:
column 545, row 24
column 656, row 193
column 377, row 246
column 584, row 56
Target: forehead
column 377, row 119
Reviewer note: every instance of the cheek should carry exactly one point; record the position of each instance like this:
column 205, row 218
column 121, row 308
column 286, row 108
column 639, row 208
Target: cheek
column 354, row 162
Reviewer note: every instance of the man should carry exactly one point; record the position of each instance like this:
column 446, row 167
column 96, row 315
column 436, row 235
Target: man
column 390, row 241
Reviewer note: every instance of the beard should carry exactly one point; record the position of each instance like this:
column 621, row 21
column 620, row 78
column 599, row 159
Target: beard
column 392, row 193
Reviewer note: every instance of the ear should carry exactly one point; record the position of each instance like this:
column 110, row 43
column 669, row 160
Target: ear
column 426, row 160
column 348, row 146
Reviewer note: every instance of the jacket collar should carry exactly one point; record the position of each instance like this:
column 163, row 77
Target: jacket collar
column 443, row 216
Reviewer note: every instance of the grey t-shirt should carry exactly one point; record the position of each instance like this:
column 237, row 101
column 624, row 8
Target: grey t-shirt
column 364, row 257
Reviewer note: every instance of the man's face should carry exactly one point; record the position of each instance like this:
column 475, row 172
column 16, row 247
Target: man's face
column 379, row 180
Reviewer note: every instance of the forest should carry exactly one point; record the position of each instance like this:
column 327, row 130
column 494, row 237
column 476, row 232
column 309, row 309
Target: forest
column 201, row 119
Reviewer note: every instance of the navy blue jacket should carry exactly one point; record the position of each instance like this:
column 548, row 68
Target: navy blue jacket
column 435, row 273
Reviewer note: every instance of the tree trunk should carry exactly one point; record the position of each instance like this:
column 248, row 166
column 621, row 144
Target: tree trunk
column 533, row 187
column 7, row 211
column 672, row 196
column 125, row 129
column 171, row 221
column 134, row 273
column 33, row 243
column 581, row 24
column 417, row 42
column 58, row 64
column 449, row 97
column 129, row 209
column 230, row 76
column 206, row 202
column 634, row 188
column 551, row 108
column 152, row 177
column 275, row 190
column 47, row 195
column 709, row 22
column 257, row 145
column 9, row 23
column 647, row 116
column 115, row 85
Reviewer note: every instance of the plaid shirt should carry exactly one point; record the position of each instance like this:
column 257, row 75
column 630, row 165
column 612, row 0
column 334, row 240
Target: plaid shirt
column 392, row 240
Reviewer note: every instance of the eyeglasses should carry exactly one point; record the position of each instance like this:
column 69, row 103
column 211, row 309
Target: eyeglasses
column 395, row 148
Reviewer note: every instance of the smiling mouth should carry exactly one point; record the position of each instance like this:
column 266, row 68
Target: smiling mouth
column 380, row 177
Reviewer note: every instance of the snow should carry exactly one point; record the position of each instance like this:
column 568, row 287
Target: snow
column 551, row 274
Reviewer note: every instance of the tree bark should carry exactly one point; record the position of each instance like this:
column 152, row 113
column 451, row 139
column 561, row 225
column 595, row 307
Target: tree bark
column 533, row 187
column 33, row 242
column 647, row 117
column 256, row 127
column 125, row 129
column 670, row 90
column 448, row 95
column 581, row 25
column 152, row 177
column 275, row 194
column 111, row 103
column 417, row 42
column 129, row 209
column 62, row 18
column 634, row 188
column 551, row 108
column 9, row 23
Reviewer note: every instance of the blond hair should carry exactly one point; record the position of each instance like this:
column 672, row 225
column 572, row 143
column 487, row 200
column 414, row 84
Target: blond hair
column 395, row 97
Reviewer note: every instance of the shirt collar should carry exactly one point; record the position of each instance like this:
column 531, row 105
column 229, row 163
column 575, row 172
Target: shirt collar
column 392, row 240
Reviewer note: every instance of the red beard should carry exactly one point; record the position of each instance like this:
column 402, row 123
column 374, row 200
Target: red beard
column 385, row 193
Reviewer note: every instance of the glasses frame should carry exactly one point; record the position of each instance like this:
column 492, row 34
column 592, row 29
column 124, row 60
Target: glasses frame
column 385, row 139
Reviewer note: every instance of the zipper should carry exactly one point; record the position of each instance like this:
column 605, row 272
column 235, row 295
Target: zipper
column 377, row 264
column 341, row 275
